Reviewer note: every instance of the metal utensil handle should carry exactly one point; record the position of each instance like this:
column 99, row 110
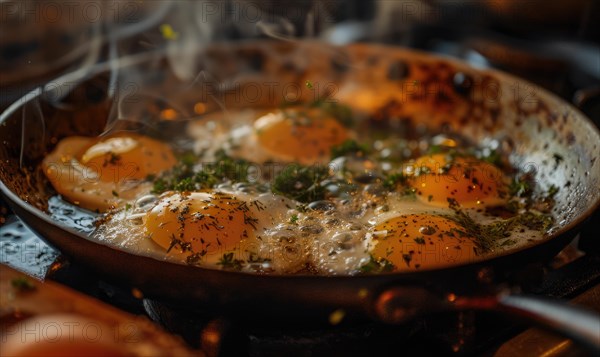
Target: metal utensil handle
column 579, row 324
column 400, row 303
column 576, row 323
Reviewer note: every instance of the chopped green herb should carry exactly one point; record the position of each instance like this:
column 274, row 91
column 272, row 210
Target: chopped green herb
column 128, row 206
column 493, row 157
column 205, row 179
column 183, row 177
column 521, row 187
column 552, row 191
column 294, row 219
column 22, row 284
column 301, row 207
column 229, row 263
column 186, row 184
column 487, row 235
column 380, row 265
column 558, row 158
column 160, row 186
column 534, row 221
column 513, row 206
column 409, row 192
column 188, row 159
column 349, row 147
column 195, row 258
column 434, row 149
column 508, row 243
column 184, row 246
column 230, row 168
column 301, row 183
column 393, row 180
column 255, row 258
column 342, row 113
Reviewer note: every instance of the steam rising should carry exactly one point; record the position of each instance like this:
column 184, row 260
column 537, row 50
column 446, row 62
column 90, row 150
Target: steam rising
column 155, row 55
column 178, row 33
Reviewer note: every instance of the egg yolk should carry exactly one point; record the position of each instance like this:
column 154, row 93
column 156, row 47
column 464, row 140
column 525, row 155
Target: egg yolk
column 420, row 241
column 301, row 135
column 471, row 182
column 128, row 158
column 203, row 225
column 99, row 174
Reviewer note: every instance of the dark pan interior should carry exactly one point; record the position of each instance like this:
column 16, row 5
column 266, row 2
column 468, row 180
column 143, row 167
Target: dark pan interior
column 532, row 125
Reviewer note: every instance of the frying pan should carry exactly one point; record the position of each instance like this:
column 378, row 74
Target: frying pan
column 535, row 128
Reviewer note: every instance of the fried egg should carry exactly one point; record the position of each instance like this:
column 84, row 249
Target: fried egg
column 297, row 134
column 206, row 225
column 200, row 228
column 422, row 242
column 102, row 173
column 469, row 181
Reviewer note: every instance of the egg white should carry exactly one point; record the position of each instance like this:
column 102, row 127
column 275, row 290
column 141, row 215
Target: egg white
column 233, row 131
column 236, row 131
column 330, row 243
column 74, row 171
column 286, row 241
column 124, row 229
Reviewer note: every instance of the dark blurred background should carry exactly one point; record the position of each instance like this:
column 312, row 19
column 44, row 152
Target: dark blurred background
column 553, row 43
